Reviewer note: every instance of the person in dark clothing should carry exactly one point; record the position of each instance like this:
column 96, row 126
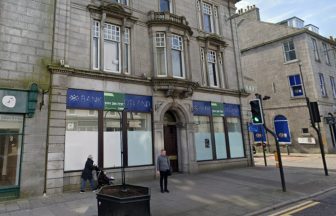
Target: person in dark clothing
column 163, row 167
column 87, row 174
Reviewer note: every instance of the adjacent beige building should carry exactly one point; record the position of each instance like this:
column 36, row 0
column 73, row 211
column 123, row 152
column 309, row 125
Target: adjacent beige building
column 272, row 57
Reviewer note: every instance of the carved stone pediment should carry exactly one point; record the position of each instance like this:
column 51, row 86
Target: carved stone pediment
column 175, row 88
column 112, row 9
column 213, row 39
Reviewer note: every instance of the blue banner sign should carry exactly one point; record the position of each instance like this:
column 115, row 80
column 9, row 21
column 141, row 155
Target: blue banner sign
column 231, row 110
column 260, row 135
column 202, row 108
column 85, row 99
column 137, row 103
column 282, row 130
column 253, row 128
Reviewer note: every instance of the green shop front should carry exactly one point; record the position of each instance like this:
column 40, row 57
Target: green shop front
column 15, row 107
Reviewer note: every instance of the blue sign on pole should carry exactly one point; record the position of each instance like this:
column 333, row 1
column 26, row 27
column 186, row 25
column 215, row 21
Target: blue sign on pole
column 253, row 128
column 138, row 103
column 260, row 135
column 85, row 99
column 282, row 130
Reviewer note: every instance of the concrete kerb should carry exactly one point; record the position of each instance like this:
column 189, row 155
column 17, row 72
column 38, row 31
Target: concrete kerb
column 292, row 201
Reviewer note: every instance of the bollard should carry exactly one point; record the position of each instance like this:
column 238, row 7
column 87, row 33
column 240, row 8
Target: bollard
column 276, row 159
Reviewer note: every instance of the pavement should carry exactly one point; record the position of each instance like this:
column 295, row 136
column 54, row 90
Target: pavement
column 240, row 191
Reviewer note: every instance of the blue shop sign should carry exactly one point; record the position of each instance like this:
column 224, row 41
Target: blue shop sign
column 85, row 99
column 137, row 103
column 202, row 108
column 231, row 110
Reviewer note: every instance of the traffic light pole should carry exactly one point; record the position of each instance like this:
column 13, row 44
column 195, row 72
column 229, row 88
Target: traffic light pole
column 319, row 136
column 282, row 176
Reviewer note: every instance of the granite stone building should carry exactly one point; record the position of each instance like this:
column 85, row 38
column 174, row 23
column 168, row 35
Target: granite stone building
column 279, row 60
column 26, row 33
column 168, row 70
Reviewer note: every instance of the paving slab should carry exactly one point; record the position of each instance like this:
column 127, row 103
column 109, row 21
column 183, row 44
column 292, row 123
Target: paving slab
column 242, row 191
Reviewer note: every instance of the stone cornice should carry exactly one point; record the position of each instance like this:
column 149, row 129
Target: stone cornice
column 171, row 86
column 333, row 43
column 217, row 91
column 92, row 74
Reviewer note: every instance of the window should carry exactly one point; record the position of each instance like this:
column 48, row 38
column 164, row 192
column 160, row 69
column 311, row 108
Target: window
column 139, row 137
column 333, row 86
column 212, row 69
column 220, row 140
column 165, row 6
column 207, row 17
column 315, row 48
column 124, row 2
column 160, row 43
column 95, row 44
column 11, row 134
column 112, row 48
column 289, row 50
column 177, row 56
column 203, row 138
column 81, row 133
column 235, row 138
column 296, row 85
column 325, row 50
column 322, row 85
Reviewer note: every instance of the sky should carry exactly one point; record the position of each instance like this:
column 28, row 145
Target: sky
column 321, row 13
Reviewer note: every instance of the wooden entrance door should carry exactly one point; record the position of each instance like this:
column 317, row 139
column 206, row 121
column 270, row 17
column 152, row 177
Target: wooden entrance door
column 170, row 144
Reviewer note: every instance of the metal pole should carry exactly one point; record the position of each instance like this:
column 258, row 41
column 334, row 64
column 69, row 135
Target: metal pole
column 249, row 141
column 283, row 183
column 282, row 176
column 314, row 126
column 263, row 146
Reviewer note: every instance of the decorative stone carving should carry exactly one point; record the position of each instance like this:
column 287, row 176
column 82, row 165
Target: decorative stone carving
column 175, row 88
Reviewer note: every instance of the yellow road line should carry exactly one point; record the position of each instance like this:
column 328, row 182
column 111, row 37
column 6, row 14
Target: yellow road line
column 295, row 209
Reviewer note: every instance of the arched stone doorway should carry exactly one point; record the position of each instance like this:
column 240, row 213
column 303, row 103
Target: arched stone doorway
column 170, row 139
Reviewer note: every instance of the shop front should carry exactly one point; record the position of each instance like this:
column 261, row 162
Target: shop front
column 94, row 126
column 14, row 107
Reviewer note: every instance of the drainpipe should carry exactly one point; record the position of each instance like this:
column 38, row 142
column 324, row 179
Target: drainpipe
column 49, row 103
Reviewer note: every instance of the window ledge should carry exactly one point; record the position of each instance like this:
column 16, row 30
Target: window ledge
column 291, row 61
column 297, row 97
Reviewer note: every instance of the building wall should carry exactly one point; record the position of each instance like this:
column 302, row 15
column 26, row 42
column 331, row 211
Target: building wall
column 26, row 31
column 265, row 70
column 73, row 45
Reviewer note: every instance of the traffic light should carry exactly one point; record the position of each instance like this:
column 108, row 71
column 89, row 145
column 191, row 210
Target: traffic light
column 257, row 115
